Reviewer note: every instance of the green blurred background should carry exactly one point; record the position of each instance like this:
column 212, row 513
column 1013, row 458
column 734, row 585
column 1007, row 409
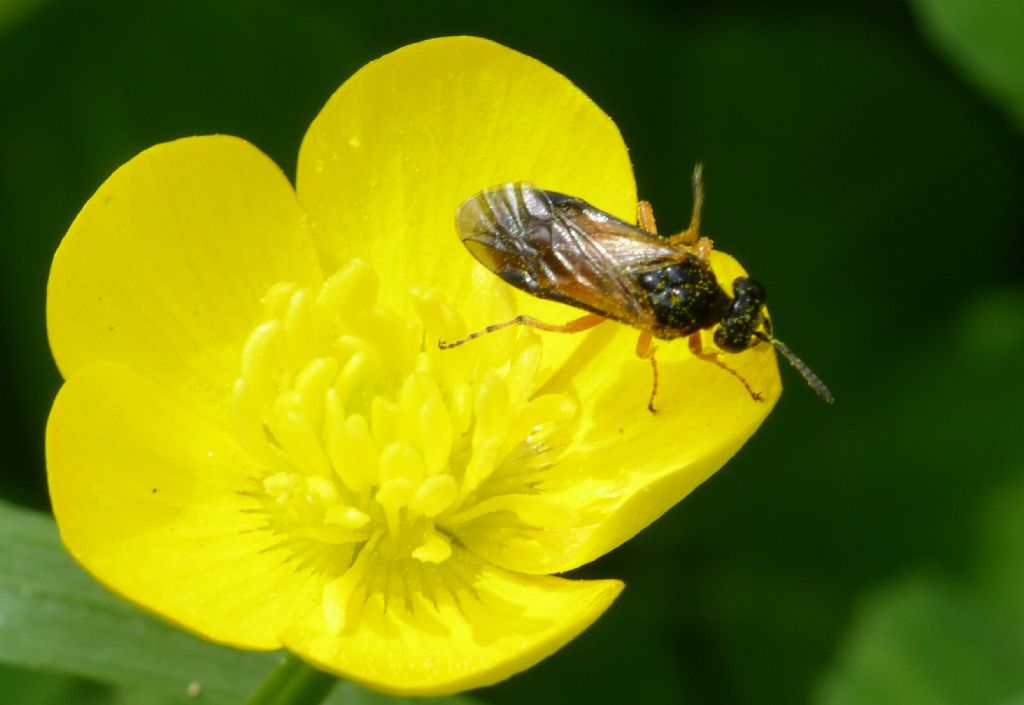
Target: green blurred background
column 863, row 160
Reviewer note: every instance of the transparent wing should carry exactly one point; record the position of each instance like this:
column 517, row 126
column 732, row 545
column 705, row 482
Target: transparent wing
column 561, row 248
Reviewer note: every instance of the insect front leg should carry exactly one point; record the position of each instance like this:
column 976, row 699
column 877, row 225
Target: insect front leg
column 697, row 348
column 645, row 217
column 576, row 325
column 645, row 349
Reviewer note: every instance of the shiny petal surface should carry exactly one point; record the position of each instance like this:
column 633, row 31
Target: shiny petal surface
column 430, row 629
column 489, row 115
column 156, row 503
column 165, row 266
column 625, row 466
column 403, row 142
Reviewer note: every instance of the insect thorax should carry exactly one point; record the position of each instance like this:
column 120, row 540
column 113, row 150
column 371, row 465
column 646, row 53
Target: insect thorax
column 684, row 296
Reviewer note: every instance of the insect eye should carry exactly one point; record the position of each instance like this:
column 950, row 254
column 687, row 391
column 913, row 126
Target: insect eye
column 748, row 289
column 736, row 331
column 733, row 335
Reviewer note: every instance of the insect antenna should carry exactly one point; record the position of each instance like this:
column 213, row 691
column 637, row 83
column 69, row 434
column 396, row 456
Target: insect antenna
column 808, row 374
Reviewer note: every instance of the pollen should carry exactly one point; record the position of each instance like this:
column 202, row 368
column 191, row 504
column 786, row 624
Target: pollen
column 375, row 446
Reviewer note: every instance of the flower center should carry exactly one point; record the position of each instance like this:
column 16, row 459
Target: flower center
column 371, row 436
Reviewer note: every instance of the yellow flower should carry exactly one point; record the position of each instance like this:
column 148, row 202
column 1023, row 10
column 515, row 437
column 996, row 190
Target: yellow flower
column 259, row 440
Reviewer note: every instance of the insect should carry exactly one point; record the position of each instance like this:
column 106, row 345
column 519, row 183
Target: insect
column 561, row 248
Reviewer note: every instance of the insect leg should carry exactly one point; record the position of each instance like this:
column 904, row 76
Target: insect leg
column 645, row 217
column 691, row 236
column 693, row 232
column 645, row 350
column 697, row 348
column 574, row 326
column 704, row 247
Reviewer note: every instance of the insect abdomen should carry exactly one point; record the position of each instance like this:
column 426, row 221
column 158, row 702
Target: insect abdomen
column 684, row 297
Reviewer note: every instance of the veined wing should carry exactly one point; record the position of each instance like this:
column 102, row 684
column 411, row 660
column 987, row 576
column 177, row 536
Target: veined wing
column 561, row 248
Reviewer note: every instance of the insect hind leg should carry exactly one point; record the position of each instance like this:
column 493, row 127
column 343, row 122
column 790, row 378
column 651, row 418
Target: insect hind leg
column 576, row 325
column 691, row 237
column 645, row 217
column 692, row 233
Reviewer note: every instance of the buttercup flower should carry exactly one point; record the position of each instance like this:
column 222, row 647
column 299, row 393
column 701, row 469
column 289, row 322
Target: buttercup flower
column 259, row 439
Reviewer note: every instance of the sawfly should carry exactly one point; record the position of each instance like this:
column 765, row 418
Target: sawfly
column 561, row 248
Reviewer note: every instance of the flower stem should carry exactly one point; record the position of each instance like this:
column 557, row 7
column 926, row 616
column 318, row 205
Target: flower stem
column 293, row 682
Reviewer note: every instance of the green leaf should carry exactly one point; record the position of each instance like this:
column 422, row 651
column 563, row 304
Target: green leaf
column 13, row 12
column 24, row 686
column 985, row 40
column 1001, row 569
column 54, row 616
column 921, row 642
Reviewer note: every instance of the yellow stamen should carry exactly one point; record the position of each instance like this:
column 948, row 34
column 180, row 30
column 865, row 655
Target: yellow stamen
column 377, row 446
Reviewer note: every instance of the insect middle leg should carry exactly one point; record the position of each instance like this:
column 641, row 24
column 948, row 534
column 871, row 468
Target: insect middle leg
column 645, row 349
column 697, row 348
column 576, row 325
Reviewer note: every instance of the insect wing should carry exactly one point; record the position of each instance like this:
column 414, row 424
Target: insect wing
column 561, row 248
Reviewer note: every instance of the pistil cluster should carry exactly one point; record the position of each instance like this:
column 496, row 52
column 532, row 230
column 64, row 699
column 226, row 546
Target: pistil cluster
column 377, row 447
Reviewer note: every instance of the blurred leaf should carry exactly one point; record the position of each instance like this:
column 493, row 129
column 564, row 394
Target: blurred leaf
column 24, row 686
column 632, row 654
column 992, row 329
column 920, row 642
column 54, row 616
column 993, row 333
column 985, row 40
column 14, row 11
column 1001, row 563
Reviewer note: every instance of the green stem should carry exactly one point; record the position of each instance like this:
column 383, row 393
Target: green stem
column 293, row 682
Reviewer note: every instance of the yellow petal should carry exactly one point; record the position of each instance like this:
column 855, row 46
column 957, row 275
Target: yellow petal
column 428, row 629
column 403, row 142
column 158, row 505
column 165, row 266
column 626, row 466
